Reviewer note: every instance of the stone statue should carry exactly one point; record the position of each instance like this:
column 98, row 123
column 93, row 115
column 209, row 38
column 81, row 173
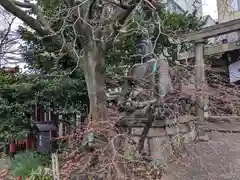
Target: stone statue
column 150, row 81
column 144, row 49
column 149, row 101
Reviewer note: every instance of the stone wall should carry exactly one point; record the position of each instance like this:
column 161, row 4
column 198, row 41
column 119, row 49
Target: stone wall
column 163, row 141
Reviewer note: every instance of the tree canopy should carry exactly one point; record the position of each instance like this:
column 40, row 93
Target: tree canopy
column 20, row 92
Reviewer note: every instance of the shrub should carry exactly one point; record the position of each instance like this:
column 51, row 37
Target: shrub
column 25, row 163
column 40, row 173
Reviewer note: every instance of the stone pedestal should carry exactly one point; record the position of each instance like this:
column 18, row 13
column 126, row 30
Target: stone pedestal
column 162, row 141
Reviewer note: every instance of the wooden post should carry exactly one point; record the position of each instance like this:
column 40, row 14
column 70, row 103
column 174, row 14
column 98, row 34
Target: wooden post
column 49, row 116
column 45, row 117
column 36, row 114
column 200, row 76
column 55, row 166
column 60, row 130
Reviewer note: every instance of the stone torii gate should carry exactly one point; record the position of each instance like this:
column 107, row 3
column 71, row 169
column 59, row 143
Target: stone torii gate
column 199, row 38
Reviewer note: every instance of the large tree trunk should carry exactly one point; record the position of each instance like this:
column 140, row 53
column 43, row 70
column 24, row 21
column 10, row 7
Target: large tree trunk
column 94, row 75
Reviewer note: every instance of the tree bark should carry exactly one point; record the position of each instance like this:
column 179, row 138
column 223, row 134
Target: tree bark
column 94, row 75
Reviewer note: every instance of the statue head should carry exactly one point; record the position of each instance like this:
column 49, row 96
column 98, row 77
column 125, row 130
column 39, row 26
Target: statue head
column 144, row 48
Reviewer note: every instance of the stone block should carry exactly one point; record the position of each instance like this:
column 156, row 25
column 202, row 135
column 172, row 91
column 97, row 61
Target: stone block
column 190, row 136
column 185, row 119
column 158, row 123
column 156, row 132
column 153, row 132
column 171, row 122
column 184, row 128
column 135, row 139
column 204, row 137
column 188, row 88
column 171, row 131
column 160, row 148
column 136, row 131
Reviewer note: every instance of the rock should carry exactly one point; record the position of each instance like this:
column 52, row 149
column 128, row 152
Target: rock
column 156, row 132
column 185, row 119
column 170, row 131
column 184, row 128
column 203, row 137
column 160, row 148
column 136, row 131
column 190, row 136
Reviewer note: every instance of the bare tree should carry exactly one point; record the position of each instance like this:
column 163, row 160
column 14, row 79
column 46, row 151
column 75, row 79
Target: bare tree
column 9, row 50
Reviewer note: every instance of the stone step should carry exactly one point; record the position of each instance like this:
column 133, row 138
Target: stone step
column 158, row 131
column 221, row 126
column 140, row 122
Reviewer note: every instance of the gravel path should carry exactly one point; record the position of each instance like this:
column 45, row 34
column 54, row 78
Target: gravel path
column 217, row 159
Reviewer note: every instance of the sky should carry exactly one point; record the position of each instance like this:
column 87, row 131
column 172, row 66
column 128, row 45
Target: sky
column 210, row 8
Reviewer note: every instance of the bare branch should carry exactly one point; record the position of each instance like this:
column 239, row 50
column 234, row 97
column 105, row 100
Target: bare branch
column 41, row 18
column 37, row 26
column 35, row 10
column 23, row 4
column 30, row 21
column 4, row 39
column 70, row 3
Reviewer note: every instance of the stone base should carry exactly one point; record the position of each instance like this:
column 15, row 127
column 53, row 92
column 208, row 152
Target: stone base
column 161, row 143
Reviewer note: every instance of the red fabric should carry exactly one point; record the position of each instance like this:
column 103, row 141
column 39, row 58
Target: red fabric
column 12, row 148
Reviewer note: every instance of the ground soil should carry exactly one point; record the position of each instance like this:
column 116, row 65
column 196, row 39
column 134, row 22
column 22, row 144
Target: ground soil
column 217, row 159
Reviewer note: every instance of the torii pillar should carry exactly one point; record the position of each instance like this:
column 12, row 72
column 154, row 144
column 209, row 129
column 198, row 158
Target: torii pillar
column 200, row 84
column 200, row 74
